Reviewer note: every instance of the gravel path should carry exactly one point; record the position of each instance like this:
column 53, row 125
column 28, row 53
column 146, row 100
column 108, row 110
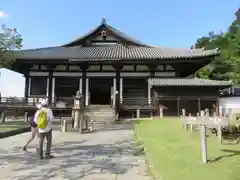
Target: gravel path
column 108, row 154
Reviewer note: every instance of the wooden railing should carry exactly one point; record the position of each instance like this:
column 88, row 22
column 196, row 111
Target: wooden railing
column 135, row 103
column 63, row 102
column 12, row 100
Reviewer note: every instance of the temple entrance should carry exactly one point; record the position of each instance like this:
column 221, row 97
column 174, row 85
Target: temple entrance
column 100, row 90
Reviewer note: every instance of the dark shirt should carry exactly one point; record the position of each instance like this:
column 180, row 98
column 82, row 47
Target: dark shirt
column 32, row 123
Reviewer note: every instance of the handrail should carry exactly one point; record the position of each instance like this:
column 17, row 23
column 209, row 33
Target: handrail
column 187, row 97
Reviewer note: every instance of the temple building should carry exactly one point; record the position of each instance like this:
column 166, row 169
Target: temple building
column 110, row 68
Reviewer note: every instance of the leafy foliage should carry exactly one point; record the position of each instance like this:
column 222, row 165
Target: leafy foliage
column 227, row 65
column 10, row 40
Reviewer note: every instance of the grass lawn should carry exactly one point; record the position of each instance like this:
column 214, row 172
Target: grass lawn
column 176, row 154
column 12, row 125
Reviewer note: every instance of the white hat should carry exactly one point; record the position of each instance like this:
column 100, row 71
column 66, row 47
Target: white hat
column 39, row 106
column 44, row 102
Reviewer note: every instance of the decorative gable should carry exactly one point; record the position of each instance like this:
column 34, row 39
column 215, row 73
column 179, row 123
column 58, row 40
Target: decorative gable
column 102, row 35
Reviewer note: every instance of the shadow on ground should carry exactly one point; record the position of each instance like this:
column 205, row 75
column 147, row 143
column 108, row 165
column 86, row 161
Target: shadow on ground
column 75, row 160
column 231, row 153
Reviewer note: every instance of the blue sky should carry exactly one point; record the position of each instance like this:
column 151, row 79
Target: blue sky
column 168, row 23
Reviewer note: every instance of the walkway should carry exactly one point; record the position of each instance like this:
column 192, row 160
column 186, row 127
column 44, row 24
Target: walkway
column 103, row 155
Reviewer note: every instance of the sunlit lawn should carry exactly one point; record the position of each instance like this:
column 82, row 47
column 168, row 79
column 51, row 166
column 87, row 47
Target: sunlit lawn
column 176, row 154
column 12, row 125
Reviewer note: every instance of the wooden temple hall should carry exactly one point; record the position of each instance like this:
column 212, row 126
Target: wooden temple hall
column 110, row 68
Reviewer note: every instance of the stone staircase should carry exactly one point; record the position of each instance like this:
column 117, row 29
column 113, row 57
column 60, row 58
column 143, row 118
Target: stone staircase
column 100, row 114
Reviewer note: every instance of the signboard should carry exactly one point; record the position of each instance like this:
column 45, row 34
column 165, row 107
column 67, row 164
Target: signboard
column 208, row 121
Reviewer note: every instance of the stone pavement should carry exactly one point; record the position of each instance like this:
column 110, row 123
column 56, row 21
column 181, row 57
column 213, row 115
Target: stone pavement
column 108, row 154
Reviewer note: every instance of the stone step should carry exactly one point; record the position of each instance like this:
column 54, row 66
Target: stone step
column 101, row 118
column 100, row 114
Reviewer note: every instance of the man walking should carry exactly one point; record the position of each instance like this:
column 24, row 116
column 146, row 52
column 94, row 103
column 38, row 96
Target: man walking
column 43, row 119
column 34, row 130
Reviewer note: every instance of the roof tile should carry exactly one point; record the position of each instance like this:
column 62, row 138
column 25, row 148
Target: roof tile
column 113, row 52
column 187, row 82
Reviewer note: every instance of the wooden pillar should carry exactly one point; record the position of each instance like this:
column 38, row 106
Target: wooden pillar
column 199, row 104
column 50, row 85
column 84, row 75
column 53, row 90
column 152, row 68
column 121, row 90
column 149, row 92
column 114, row 93
column 26, row 92
column 217, row 107
column 117, row 100
column 178, row 106
column 80, row 86
column 87, row 92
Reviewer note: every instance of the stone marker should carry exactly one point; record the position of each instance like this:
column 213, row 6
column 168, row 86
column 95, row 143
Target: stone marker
column 3, row 117
column 183, row 118
column 64, row 126
column 26, row 117
column 203, row 140
column 138, row 113
column 161, row 112
column 205, row 121
column 219, row 132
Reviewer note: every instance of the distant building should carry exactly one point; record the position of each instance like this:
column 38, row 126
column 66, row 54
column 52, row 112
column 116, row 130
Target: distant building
column 109, row 67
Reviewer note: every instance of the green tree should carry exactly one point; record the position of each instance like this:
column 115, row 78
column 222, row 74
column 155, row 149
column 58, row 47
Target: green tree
column 227, row 65
column 10, row 40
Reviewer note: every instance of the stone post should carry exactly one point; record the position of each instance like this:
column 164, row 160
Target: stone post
column 64, row 126
column 76, row 110
column 149, row 92
column 183, row 118
column 203, row 139
column 138, row 113
column 26, row 117
column 3, row 117
column 161, row 112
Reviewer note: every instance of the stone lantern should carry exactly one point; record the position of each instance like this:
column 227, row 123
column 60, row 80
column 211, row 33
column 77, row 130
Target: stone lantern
column 77, row 111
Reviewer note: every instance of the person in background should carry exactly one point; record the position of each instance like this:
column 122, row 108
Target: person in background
column 34, row 130
column 43, row 119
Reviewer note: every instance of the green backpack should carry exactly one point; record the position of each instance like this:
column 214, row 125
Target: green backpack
column 42, row 121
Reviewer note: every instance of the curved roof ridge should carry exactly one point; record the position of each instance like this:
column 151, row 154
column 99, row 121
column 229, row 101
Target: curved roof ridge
column 49, row 47
column 110, row 28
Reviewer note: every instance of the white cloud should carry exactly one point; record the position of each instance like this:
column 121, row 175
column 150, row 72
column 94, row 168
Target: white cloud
column 11, row 83
column 3, row 14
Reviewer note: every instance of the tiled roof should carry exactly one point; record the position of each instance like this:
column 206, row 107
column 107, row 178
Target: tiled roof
column 115, row 31
column 49, row 53
column 120, row 52
column 113, row 52
column 187, row 82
